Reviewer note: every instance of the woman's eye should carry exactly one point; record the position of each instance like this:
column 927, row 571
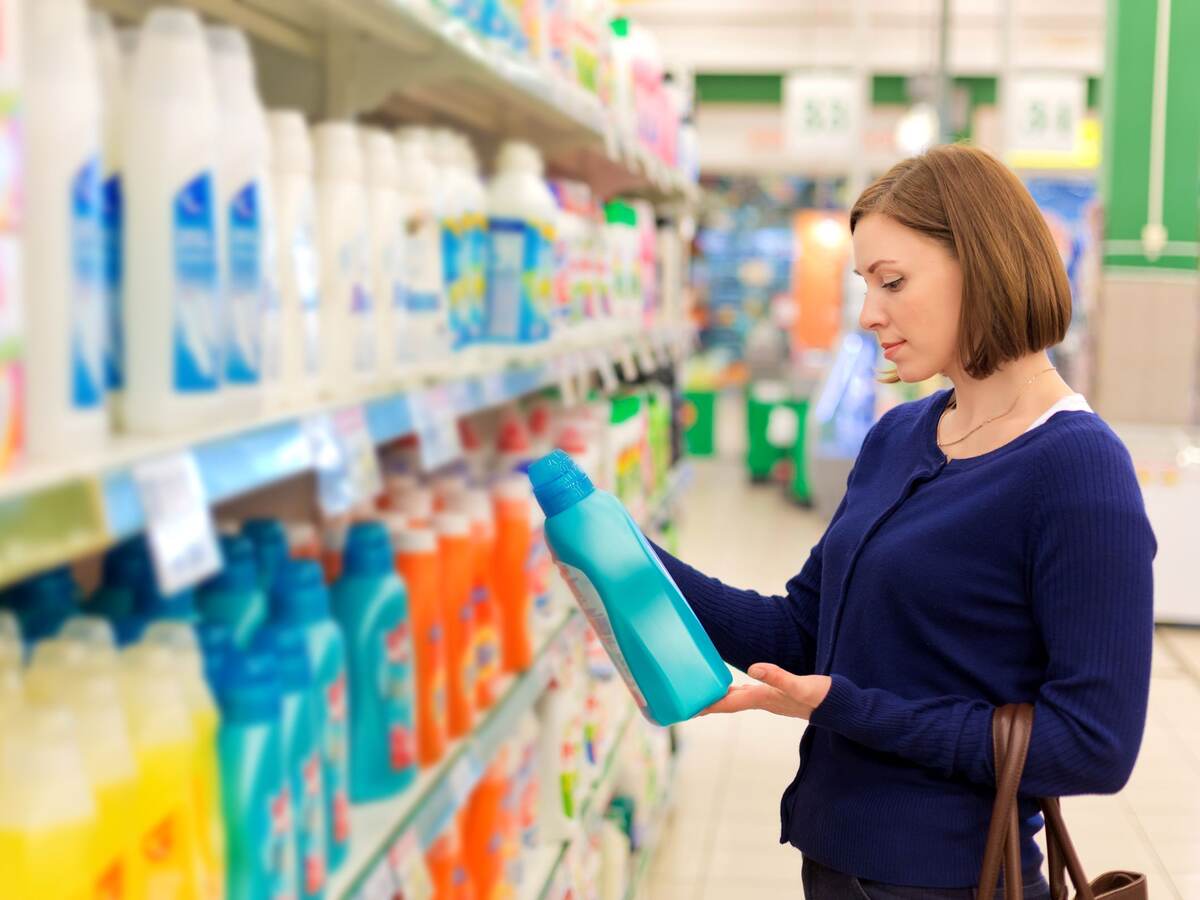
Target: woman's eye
column 893, row 285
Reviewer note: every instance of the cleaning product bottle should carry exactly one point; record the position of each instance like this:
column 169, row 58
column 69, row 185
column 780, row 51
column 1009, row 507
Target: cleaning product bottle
column 173, row 305
column 484, row 604
column 296, row 257
column 301, row 751
column 300, row 600
column 483, row 826
column 511, row 502
column 66, row 329
column 255, row 791
column 428, row 319
column 513, row 445
column 164, row 743
column 189, row 671
column 387, row 249
column 452, row 219
column 559, row 755
column 242, row 201
column 370, row 604
column 47, row 812
column 457, row 556
column 63, row 671
column 475, row 237
column 271, row 549
column 234, row 596
column 113, row 85
column 419, row 565
column 521, row 213
column 43, row 603
column 657, row 643
column 348, row 317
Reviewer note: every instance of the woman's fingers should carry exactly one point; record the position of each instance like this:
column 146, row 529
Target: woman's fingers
column 741, row 697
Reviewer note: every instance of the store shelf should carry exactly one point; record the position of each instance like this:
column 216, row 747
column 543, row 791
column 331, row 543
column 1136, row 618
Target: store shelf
column 429, row 805
column 407, row 60
column 654, row 834
column 52, row 513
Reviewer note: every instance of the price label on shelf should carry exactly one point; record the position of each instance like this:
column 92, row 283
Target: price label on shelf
column 565, row 368
column 179, row 526
column 435, row 420
column 646, row 359
column 606, row 366
column 343, row 455
column 495, row 391
column 379, row 885
column 407, row 863
column 464, row 776
column 628, row 364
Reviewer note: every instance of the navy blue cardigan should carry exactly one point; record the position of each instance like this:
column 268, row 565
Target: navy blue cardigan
column 939, row 591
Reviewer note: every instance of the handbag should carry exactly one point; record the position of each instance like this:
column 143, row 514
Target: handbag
column 1012, row 726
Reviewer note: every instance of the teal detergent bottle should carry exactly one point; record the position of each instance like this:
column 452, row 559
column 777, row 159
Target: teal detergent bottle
column 43, row 603
column 301, row 752
column 129, row 596
column 270, row 549
column 370, row 604
column 255, row 793
column 655, row 640
column 300, row 600
column 234, row 596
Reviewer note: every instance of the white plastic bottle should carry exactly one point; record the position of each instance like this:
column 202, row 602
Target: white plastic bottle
column 296, row 257
column 113, row 84
column 64, row 247
column 242, row 204
column 521, row 213
column 387, row 248
column 348, row 339
column 474, row 238
column 427, row 315
column 452, row 218
column 173, row 347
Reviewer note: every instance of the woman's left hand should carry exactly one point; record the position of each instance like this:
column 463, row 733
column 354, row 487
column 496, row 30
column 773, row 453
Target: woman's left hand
column 780, row 692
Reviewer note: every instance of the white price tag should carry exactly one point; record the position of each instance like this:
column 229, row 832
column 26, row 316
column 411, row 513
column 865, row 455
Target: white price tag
column 344, row 457
column 627, row 362
column 179, row 526
column 565, row 368
column 646, row 360
column 379, row 885
column 605, row 365
column 436, row 424
column 494, row 389
column 409, row 872
column 464, row 776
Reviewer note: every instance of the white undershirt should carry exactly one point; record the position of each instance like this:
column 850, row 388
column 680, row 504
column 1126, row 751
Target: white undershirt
column 1070, row 403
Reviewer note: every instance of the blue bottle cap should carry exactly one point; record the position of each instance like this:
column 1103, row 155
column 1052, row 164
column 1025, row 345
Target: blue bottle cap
column 270, row 546
column 249, row 689
column 44, row 602
column 240, row 572
column 558, row 483
column 368, row 550
column 287, row 645
column 299, row 595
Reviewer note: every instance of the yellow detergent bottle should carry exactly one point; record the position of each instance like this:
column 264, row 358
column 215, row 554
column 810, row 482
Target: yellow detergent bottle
column 164, row 744
column 68, row 672
column 47, row 816
column 188, row 666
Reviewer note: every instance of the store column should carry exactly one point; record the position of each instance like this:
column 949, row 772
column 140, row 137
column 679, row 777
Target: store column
column 1147, row 331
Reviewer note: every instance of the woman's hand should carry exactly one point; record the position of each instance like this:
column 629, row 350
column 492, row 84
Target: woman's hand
column 781, row 692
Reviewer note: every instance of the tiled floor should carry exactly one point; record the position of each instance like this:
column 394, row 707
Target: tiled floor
column 723, row 843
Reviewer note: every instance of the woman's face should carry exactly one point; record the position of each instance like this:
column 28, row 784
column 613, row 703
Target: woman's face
column 914, row 295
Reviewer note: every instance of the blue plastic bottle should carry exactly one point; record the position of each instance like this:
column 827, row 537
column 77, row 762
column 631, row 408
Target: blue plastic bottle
column 256, row 801
column 370, row 604
column 270, row 549
column 216, row 646
column 301, row 600
column 655, row 640
column 301, row 752
column 234, row 596
column 44, row 602
column 129, row 596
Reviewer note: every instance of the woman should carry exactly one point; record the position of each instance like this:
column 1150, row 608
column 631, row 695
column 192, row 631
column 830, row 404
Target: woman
column 992, row 547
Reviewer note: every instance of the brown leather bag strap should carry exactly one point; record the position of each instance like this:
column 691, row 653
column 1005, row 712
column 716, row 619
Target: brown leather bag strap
column 1011, row 728
column 1057, row 837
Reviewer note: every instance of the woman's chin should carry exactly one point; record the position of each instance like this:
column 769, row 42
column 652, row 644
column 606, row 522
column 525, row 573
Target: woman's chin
column 914, row 373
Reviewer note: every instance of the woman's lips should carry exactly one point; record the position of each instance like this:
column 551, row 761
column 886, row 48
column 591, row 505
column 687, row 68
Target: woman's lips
column 890, row 349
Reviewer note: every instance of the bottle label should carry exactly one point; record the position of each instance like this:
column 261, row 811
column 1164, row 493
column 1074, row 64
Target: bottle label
column 337, row 758
column 89, row 313
column 453, row 244
column 197, row 299
column 437, row 690
column 308, row 281
column 272, row 310
column 487, row 640
column 311, row 826
column 475, row 241
column 111, row 883
column 397, row 697
column 519, row 280
column 243, row 349
column 162, row 860
column 597, row 615
column 423, row 278
column 360, row 304
column 466, row 664
column 397, row 268
column 112, row 218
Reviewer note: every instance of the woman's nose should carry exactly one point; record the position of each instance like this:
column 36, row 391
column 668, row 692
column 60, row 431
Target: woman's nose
column 871, row 316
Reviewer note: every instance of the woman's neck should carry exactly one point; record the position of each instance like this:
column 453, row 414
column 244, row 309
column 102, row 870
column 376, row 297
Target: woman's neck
column 979, row 399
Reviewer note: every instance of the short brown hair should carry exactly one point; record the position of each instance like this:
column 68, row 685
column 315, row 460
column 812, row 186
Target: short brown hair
column 1016, row 297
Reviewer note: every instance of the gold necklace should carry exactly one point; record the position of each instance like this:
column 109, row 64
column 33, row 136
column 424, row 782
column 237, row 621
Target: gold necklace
column 953, row 404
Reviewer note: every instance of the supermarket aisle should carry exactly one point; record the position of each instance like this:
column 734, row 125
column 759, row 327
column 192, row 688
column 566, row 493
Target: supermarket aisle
column 722, row 843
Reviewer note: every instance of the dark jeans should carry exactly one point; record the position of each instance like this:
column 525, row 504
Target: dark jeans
column 823, row 883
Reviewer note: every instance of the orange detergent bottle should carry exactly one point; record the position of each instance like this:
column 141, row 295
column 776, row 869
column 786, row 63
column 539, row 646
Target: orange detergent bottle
column 477, row 506
column 418, row 563
column 456, row 552
column 447, row 867
column 484, row 828
column 514, row 536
